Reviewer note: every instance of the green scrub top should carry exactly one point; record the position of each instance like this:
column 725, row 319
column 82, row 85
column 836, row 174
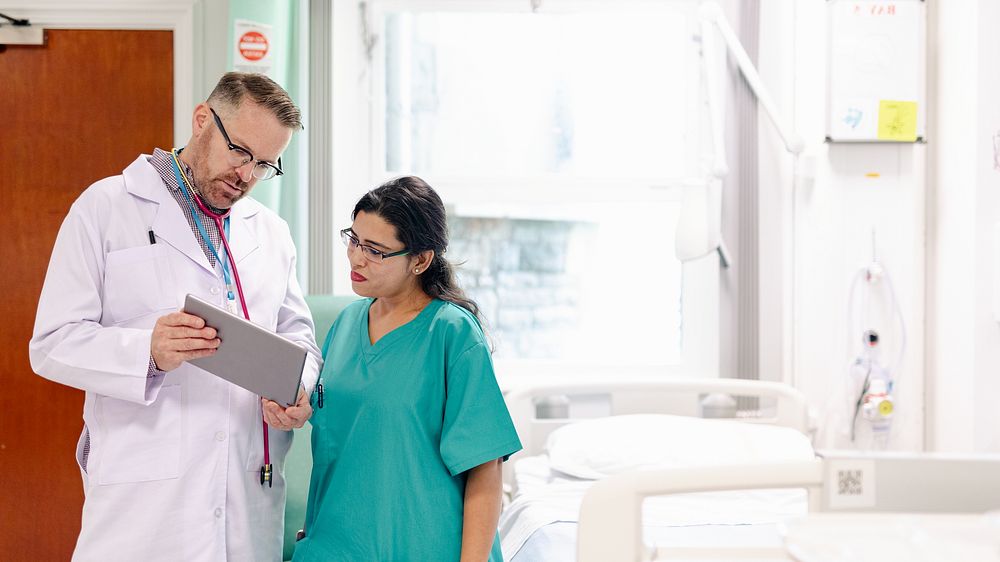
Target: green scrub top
column 401, row 423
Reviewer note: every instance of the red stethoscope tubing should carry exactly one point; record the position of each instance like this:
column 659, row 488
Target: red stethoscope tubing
column 218, row 218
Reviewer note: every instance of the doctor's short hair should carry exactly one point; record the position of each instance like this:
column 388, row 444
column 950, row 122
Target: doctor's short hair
column 234, row 87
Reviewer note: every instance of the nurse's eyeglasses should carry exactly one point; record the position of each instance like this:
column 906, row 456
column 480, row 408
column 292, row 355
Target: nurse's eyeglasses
column 239, row 156
column 371, row 254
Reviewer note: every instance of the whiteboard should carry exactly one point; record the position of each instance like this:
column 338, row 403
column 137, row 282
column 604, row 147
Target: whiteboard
column 877, row 74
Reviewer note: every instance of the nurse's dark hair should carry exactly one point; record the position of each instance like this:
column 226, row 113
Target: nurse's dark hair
column 235, row 87
column 418, row 214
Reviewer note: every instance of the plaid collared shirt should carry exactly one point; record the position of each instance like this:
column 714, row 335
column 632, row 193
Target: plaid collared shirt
column 163, row 162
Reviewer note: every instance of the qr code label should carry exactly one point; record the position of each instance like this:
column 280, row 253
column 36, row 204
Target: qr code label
column 850, row 482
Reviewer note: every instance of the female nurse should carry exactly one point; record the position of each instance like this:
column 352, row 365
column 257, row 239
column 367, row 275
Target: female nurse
column 410, row 429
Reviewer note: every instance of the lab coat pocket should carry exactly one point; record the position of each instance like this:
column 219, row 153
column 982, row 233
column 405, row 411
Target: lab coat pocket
column 137, row 282
column 139, row 443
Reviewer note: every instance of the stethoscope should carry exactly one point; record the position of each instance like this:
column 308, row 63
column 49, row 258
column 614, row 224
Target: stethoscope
column 222, row 223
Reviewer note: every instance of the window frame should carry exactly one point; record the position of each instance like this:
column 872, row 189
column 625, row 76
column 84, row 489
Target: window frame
column 359, row 94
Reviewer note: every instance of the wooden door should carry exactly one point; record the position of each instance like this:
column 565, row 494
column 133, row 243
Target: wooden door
column 80, row 108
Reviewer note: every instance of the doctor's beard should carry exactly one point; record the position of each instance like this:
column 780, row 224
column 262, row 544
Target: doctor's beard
column 215, row 191
column 219, row 192
column 212, row 188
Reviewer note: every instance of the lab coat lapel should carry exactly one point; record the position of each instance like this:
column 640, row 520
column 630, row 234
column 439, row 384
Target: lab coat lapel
column 169, row 222
column 242, row 238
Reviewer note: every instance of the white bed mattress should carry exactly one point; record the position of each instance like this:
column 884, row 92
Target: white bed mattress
column 539, row 524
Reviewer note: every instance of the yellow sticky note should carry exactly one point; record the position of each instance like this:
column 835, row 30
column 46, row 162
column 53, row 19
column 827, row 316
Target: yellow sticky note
column 897, row 120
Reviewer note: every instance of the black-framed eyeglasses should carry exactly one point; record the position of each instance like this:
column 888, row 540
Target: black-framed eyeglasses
column 239, row 156
column 371, row 254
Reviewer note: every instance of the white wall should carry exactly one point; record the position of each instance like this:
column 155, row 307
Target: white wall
column 817, row 231
column 964, row 358
column 987, row 284
column 211, row 46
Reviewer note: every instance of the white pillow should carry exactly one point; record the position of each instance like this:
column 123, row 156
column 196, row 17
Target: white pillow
column 601, row 447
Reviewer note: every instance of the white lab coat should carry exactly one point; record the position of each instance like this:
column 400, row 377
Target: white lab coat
column 173, row 469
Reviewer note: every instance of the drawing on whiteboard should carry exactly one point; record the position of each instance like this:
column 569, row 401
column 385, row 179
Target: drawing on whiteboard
column 853, row 117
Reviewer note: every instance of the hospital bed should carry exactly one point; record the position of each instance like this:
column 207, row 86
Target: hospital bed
column 682, row 485
column 577, row 432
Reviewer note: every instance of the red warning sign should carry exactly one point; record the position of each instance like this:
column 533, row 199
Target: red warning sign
column 253, row 45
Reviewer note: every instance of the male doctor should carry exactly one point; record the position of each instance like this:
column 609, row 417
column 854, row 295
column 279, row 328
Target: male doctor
column 172, row 456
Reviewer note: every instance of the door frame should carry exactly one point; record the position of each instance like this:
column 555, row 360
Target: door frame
column 177, row 16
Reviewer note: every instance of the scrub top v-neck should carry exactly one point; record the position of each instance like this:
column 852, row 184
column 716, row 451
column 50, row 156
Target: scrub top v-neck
column 401, row 333
column 403, row 419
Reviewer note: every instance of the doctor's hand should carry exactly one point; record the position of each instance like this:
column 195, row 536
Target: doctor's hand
column 179, row 337
column 289, row 418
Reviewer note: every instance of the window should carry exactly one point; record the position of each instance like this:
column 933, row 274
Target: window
column 562, row 142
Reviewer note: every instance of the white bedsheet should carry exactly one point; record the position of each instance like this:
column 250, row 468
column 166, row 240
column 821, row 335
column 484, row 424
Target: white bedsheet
column 556, row 542
column 544, row 497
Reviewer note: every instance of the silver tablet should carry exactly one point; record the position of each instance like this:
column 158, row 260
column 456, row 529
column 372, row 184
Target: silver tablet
column 250, row 356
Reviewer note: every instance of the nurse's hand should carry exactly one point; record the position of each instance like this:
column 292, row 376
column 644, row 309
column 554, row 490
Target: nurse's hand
column 180, row 337
column 288, row 418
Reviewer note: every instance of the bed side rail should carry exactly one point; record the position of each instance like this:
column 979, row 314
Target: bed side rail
column 910, row 482
column 611, row 513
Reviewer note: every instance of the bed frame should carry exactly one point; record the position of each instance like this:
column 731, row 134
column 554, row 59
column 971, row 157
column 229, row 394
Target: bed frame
column 770, row 403
column 610, row 526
